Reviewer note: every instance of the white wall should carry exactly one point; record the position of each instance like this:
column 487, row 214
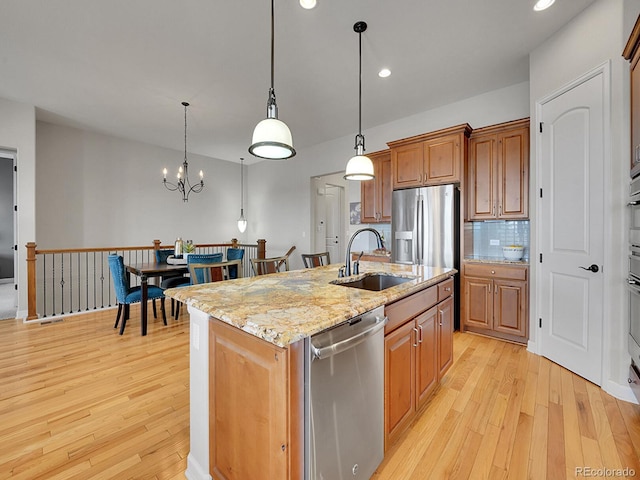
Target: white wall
column 17, row 133
column 279, row 202
column 596, row 36
column 95, row 190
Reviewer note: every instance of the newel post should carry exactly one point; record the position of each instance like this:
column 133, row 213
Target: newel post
column 262, row 248
column 234, row 243
column 156, row 244
column 31, row 281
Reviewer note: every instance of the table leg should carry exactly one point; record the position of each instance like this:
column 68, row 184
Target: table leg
column 143, row 304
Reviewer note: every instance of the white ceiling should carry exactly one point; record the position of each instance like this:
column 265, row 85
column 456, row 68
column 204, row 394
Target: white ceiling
column 123, row 67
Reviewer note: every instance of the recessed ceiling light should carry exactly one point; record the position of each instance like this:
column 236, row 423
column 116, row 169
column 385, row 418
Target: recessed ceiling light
column 542, row 5
column 308, row 4
column 384, row 73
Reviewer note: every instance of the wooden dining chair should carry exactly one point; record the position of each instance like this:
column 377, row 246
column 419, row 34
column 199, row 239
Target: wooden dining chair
column 312, row 260
column 263, row 266
column 214, row 272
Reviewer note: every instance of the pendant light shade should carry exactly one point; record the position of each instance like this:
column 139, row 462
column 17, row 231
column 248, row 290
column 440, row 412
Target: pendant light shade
column 271, row 137
column 359, row 167
column 242, row 222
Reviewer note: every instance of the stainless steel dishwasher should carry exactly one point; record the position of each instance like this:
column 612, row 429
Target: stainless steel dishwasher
column 344, row 407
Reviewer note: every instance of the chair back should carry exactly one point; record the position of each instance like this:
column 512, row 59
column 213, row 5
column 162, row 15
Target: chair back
column 162, row 255
column 235, row 254
column 119, row 276
column 202, row 258
column 312, row 260
column 264, row 266
column 213, row 272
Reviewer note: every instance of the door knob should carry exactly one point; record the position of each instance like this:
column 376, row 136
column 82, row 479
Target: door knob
column 594, row 268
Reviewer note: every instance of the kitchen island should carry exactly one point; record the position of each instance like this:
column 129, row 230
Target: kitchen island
column 246, row 361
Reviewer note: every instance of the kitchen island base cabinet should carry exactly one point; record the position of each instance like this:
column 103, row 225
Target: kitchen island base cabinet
column 418, row 352
column 256, row 406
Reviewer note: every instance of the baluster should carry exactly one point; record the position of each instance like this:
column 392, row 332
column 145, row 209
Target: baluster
column 62, row 284
column 44, row 278
column 70, row 282
column 53, row 283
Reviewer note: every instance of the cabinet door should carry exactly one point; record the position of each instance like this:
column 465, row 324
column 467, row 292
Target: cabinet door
column 442, row 160
column 426, row 355
column 478, row 302
column 513, row 173
column 385, row 190
column 406, row 165
column 248, row 378
column 368, row 199
column 445, row 336
column 399, row 384
column 510, row 307
column 482, row 164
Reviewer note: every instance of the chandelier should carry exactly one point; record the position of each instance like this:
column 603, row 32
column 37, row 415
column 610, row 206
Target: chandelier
column 183, row 185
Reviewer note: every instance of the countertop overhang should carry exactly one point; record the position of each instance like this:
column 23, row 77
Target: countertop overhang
column 283, row 308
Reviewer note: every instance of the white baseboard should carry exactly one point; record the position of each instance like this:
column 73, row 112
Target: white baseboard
column 195, row 471
column 621, row 392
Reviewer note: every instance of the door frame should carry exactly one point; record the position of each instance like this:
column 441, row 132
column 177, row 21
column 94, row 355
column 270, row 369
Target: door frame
column 319, row 181
column 11, row 156
column 608, row 270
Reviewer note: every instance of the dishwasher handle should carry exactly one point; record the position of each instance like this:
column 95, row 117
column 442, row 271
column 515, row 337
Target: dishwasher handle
column 347, row 343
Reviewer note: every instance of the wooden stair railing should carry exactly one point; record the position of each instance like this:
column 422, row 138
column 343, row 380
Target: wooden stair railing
column 86, row 283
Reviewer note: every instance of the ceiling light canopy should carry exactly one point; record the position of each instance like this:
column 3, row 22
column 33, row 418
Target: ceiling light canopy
column 359, row 167
column 543, row 5
column 271, row 137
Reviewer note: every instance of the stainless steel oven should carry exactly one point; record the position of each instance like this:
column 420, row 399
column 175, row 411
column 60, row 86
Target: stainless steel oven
column 634, row 285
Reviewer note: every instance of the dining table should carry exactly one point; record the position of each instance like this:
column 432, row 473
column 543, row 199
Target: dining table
column 146, row 270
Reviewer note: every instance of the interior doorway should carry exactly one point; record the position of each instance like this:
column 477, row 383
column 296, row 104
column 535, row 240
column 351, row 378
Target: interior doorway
column 329, row 219
column 8, row 293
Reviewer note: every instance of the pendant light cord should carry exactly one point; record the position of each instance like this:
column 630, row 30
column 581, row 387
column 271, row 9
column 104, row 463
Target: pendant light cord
column 185, row 130
column 360, row 84
column 241, row 187
column 272, row 42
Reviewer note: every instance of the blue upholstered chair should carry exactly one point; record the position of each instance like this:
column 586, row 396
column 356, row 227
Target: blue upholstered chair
column 127, row 295
column 200, row 258
column 234, row 254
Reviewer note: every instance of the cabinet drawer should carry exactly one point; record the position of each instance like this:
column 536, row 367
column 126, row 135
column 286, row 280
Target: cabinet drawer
column 405, row 309
column 495, row 271
column 445, row 289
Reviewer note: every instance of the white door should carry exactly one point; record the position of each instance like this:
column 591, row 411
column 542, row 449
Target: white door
column 334, row 216
column 570, row 226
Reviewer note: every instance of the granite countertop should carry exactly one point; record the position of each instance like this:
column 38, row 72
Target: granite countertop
column 497, row 260
column 283, row 308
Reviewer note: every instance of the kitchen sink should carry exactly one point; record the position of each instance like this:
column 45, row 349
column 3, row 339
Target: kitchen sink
column 374, row 282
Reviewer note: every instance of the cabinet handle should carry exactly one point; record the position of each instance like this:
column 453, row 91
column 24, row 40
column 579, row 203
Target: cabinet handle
column 493, row 212
column 420, row 337
column 415, row 344
column 447, row 289
column 441, row 312
column 500, row 211
column 489, row 288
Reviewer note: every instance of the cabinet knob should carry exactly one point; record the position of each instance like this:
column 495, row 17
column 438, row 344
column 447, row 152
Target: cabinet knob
column 493, row 271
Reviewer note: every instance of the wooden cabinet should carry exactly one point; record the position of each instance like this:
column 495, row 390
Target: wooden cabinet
column 632, row 53
column 430, row 159
column 496, row 300
column 256, row 409
column 375, row 195
column 418, row 352
column 498, row 172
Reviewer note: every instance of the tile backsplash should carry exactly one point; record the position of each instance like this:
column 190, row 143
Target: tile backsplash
column 489, row 237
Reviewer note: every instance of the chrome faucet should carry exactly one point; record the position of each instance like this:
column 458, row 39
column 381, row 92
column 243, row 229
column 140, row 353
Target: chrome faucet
column 347, row 263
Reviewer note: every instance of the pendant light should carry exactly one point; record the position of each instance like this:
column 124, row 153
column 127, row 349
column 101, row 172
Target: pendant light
column 271, row 137
column 183, row 185
column 242, row 222
column 359, row 166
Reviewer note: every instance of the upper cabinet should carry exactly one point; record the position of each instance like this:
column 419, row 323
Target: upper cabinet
column 498, row 172
column 429, row 159
column 375, row 195
column 632, row 53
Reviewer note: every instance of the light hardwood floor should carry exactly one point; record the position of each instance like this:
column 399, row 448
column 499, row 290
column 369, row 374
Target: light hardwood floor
column 78, row 401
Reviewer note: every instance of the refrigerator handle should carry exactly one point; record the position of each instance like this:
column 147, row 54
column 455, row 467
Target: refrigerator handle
column 420, row 231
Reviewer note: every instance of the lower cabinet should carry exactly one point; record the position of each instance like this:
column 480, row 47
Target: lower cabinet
column 496, row 301
column 418, row 352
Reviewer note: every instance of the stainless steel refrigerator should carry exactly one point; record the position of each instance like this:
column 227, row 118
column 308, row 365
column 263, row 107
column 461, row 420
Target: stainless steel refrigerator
column 424, row 226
